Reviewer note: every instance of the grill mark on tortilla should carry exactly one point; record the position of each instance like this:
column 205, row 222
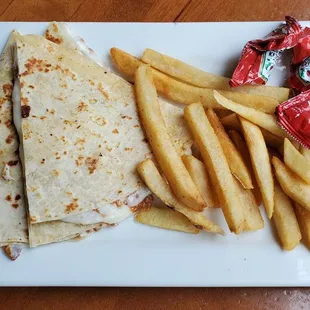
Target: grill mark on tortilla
column 144, row 205
column 25, row 110
column 82, row 106
column 103, row 92
column 24, row 101
column 72, row 206
column 7, row 89
column 52, row 38
column 12, row 163
column 9, row 139
column 91, row 164
column 8, row 124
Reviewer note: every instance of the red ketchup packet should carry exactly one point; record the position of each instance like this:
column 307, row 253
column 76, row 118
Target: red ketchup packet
column 299, row 79
column 259, row 57
column 294, row 117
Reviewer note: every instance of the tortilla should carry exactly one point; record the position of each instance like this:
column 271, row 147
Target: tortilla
column 80, row 133
column 57, row 231
column 61, row 34
column 13, row 223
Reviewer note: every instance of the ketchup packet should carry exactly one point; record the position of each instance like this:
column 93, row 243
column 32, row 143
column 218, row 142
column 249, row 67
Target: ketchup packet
column 293, row 116
column 259, row 57
column 299, row 79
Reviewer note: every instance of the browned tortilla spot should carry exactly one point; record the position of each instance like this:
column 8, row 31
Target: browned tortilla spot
column 8, row 198
column 103, row 92
column 12, row 163
column 50, row 37
column 9, row 139
column 7, row 89
column 18, row 197
column 15, row 205
column 25, row 109
column 115, row 130
column 82, row 106
column 91, row 164
column 145, row 205
column 24, row 101
column 72, row 206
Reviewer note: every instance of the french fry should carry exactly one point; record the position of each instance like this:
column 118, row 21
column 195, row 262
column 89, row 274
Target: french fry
column 167, row 219
column 253, row 218
column 285, row 220
column 296, row 162
column 199, row 174
column 231, row 122
column 305, row 152
column 181, row 70
column 259, row 118
column 242, row 148
column 261, row 163
column 159, row 139
column 197, row 77
column 303, row 217
column 125, row 63
column 181, row 92
column 234, row 159
column 216, row 165
column 161, row 189
column 294, row 186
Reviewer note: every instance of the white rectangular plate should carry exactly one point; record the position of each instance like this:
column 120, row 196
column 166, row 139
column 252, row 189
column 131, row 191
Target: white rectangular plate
column 136, row 255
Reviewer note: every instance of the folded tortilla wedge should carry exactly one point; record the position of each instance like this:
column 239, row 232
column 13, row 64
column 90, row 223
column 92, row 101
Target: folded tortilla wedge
column 13, row 223
column 68, row 228
column 60, row 34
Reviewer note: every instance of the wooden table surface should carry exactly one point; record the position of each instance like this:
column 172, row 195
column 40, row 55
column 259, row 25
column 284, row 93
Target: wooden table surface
column 153, row 11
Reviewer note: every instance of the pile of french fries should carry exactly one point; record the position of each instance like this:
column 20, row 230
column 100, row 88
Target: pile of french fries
column 244, row 158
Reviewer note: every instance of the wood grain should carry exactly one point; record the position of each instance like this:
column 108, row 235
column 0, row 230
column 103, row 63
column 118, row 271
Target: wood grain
column 251, row 10
column 153, row 298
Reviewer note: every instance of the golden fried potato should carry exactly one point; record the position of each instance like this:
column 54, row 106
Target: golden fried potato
column 253, row 218
column 161, row 189
column 197, row 77
column 296, row 161
column 181, row 92
column 234, row 159
column 167, row 219
column 303, row 217
column 217, row 166
column 261, row 163
column 294, row 186
column 160, row 142
column 200, row 176
column 243, row 149
column 285, row 220
column 255, row 116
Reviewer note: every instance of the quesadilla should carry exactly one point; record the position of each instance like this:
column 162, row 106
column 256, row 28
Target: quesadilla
column 13, row 222
column 80, row 148
column 80, row 225
column 60, row 33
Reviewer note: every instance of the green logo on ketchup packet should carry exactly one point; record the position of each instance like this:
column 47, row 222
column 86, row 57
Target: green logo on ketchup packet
column 303, row 71
column 268, row 62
